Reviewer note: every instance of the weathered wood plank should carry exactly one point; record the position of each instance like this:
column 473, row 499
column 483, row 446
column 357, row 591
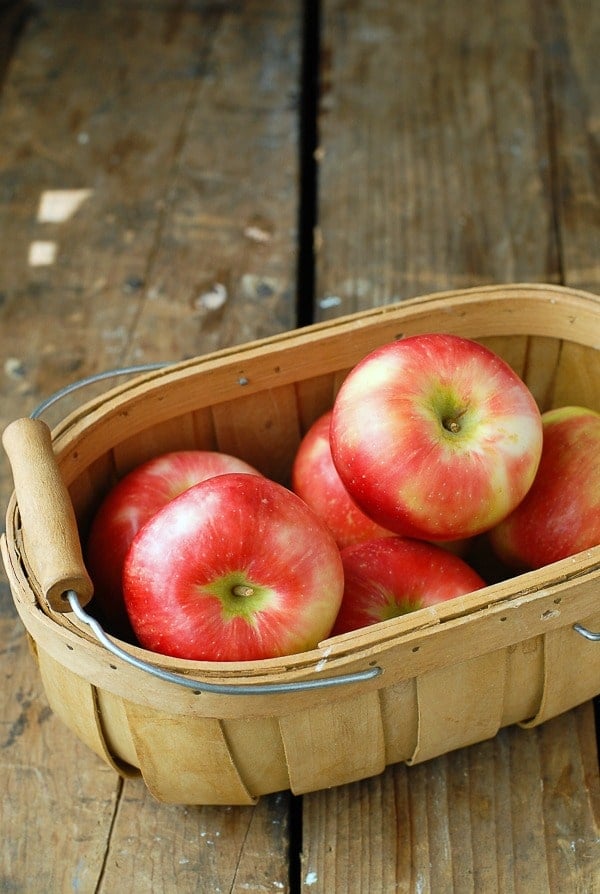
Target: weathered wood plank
column 180, row 123
column 571, row 35
column 190, row 849
column 447, row 157
column 58, row 798
column 434, row 167
column 512, row 815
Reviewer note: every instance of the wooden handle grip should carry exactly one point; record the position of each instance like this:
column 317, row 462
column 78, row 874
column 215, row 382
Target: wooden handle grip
column 50, row 535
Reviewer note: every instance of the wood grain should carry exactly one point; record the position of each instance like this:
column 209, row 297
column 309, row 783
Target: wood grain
column 571, row 32
column 457, row 146
column 192, row 179
column 434, row 163
column 506, row 816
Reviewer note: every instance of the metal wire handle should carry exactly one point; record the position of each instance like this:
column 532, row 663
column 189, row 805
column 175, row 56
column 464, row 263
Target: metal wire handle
column 91, row 380
column 217, row 688
column 587, row 634
column 196, row 686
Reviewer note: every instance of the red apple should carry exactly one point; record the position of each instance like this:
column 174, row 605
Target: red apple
column 236, row 568
column 130, row 503
column 560, row 515
column 435, row 437
column 391, row 576
column 316, row 480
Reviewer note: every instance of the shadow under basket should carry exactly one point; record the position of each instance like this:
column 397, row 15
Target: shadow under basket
column 405, row 690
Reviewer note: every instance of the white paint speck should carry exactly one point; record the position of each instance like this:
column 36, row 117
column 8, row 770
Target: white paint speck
column 14, row 368
column 311, row 878
column 213, row 299
column 58, row 205
column 256, row 234
column 42, row 253
column 330, row 301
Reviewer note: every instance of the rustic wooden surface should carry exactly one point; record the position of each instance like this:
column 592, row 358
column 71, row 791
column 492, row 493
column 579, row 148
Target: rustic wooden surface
column 454, row 145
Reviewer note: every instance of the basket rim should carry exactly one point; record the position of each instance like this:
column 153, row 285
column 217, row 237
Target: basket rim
column 357, row 646
column 545, row 293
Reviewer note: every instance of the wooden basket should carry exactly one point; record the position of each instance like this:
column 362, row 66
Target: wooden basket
column 405, row 690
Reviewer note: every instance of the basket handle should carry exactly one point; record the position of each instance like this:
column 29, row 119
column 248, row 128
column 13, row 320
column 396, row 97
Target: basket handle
column 47, row 517
column 593, row 636
column 200, row 686
column 51, row 537
column 54, row 549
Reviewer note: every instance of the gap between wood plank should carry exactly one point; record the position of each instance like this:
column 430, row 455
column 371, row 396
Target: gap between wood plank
column 553, row 159
column 307, row 204
column 305, row 288
column 13, row 17
column 109, row 837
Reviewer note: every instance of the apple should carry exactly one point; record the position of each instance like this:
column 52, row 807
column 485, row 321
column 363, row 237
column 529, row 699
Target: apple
column 236, row 568
column 435, row 437
column 316, row 480
column 391, row 576
column 560, row 514
column 130, row 503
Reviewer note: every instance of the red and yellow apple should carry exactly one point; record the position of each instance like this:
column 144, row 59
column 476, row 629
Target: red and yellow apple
column 391, row 576
column 236, row 568
column 129, row 505
column 560, row 515
column 316, row 480
column 435, row 437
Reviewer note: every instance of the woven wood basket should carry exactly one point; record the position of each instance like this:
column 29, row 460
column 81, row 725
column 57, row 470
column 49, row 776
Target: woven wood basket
column 406, row 690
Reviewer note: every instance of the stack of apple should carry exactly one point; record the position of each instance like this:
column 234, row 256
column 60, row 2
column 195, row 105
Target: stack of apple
column 433, row 443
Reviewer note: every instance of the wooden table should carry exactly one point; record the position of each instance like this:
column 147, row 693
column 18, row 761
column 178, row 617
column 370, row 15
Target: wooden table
column 176, row 177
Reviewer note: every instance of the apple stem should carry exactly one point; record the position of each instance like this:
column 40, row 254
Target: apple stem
column 451, row 425
column 242, row 590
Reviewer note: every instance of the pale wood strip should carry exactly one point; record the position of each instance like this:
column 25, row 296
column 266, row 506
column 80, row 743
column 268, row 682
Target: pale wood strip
column 524, row 661
column 400, row 717
column 579, row 663
column 542, row 371
column 578, row 378
column 257, row 751
column 184, row 760
column 173, row 434
column 329, row 744
column 73, row 699
column 261, row 429
column 460, row 704
column 314, row 397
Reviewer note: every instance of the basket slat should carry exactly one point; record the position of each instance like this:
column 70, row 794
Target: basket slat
column 257, row 750
column 335, row 743
column 172, row 434
column 524, row 679
column 400, row 718
column 577, row 377
column 469, row 711
column 262, row 429
column 73, row 699
column 579, row 662
column 185, row 760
